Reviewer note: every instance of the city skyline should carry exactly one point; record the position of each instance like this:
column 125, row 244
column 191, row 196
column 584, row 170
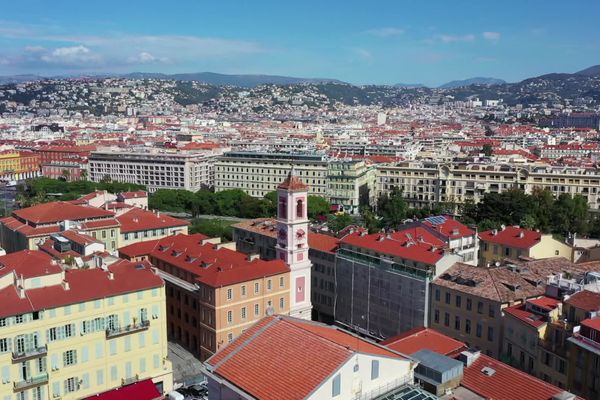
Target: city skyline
column 409, row 43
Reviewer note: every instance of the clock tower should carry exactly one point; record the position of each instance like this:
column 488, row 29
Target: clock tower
column 292, row 242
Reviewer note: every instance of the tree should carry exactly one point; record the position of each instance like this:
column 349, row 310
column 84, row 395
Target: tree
column 370, row 219
column 392, row 208
column 487, row 149
column 337, row 222
column 570, row 215
column 106, row 179
column 271, row 201
column 65, row 174
column 317, row 206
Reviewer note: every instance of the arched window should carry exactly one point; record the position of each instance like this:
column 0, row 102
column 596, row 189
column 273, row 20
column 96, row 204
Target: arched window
column 300, row 209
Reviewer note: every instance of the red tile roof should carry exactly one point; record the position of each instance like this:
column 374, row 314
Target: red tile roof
column 424, row 338
column 512, row 236
column 521, row 313
column 585, row 300
column 301, row 354
column 27, row 230
column 59, row 211
column 102, row 223
column 84, row 285
column 79, row 238
column 215, row 267
column 292, row 182
column 451, row 228
column 136, row 219
column 143, row 390
column 546, row 303
column 322, row 242
column 593, row 323
column 133, row 195
column 506, row 382
column 429, row 250
column 29, row 264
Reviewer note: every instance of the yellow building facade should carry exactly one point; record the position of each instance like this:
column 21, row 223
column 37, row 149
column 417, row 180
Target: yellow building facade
column 85, row 344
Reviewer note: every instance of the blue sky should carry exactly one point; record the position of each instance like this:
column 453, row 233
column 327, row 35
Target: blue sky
column 367, row 41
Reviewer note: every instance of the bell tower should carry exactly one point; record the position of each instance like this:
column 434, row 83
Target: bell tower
column 292, row 241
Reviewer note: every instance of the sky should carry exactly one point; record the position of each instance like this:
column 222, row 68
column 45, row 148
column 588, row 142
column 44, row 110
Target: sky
column 361, row 42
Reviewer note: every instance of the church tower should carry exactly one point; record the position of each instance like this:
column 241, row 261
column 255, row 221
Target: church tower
column 292, row 242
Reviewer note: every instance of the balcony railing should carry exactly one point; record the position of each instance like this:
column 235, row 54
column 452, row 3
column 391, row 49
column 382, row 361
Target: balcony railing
column 29, row 354
column 128, row 329
column 385, row 388
column 32, row 382
column 130, row 380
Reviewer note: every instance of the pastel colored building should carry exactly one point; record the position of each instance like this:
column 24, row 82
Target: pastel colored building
column 71, row 333
column 214, row 292
column 514, row 242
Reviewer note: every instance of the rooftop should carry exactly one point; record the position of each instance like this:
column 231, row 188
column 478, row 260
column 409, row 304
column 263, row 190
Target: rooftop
column 512, row 236
column 585, row 300
column 424, row 338
column 251, row 360
column 136, row 219
column 59, row 211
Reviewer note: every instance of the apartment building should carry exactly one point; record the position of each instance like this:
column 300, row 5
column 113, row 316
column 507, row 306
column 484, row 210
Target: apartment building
column 214, row 293
column 139, row 225
column 382, row 279
column 515, row 242
column 585, row 359
column 260, row 173
column 350, row 185
column 17, row 165
column 72, row 333
column 28, row 227
column 155, row 169
column 425, row 183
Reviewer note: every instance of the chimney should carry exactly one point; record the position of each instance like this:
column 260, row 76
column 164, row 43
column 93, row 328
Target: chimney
column 252, row 257
column 65, row 285
column 502, row 227
column 111, row 276
column 468, row 357
column 157, row 213
column 521, row 235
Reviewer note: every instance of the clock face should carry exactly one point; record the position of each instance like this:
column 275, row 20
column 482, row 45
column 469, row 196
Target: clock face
column 300, row 234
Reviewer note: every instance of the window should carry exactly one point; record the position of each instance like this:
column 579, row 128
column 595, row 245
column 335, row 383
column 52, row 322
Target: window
column 490, row 333
column 243, row 313
column 229, row 294
column 436, row 316
column 491, row 311
column 256, row 309
column 70, row 385
column 2, row 322
column 69, row 357
column 457, row 323
column 478, row 330
column 113, row 373
column 229, row 317
column 336, row 386
column 256, row 288
column 299, row 209
column 269, row 284
column 19, row 319
column 100, row 377
column 4, row 345
column 374, row 369
column 458, row 301
column 437, row 294
column 243, row 290
column 229, row 337
column 281, row 282
column 281, row 303
column 479, row 307
column 468, row 326
column 469, row 304
column 446, row 319
column 447, row 298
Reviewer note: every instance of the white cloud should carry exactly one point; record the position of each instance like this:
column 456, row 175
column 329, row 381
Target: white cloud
column 70, row 55
column 146, row 58
column 491, row 35
column 385, row 32
column 456, row 38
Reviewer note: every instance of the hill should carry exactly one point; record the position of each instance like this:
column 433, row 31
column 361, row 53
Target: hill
column 472, row 81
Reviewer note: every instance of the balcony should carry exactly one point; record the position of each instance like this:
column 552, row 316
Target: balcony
column 129, row 329
column 29, row 354
column 129, row 381
column 31, row 382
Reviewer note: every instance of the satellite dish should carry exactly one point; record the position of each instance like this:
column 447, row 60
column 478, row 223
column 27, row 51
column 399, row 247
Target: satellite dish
column 270, row 311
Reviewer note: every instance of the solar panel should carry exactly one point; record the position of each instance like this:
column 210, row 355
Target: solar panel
column 437, row 220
